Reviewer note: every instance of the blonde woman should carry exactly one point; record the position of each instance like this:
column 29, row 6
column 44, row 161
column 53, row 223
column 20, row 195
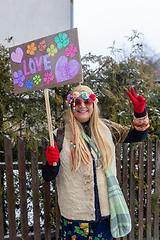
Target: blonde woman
column 80, row 177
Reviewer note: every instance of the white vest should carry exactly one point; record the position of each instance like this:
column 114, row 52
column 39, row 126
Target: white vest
column 76, row 196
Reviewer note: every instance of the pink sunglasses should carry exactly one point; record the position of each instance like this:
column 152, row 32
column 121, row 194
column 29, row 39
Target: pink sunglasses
column 87, row 102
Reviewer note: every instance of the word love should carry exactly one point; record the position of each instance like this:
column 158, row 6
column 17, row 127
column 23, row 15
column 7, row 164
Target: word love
column 35, row 64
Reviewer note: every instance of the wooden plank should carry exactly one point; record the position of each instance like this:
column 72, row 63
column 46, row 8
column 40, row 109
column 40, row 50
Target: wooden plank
column 132, row 193
column 125, row 163
column 35, row 189
column 118, row 166
column 15, row 165
column 49, row 119
column 58, row 214
column 1, row 211
column 157, row 190
column 149, row 186
column 10, row 188
column 141, row 194
column 47, row 204
column 118, row 162
column 22, row 188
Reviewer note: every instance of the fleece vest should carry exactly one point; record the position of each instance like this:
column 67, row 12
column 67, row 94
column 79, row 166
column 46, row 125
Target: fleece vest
column 76, row 196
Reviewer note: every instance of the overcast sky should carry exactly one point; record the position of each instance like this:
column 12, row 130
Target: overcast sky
column 100, row 22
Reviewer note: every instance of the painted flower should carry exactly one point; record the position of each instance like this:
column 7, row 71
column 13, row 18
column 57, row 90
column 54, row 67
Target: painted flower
column 42, row 45
column 31, row 49
column 76, row 94
column 61, row 40
column 37, row 79
column 69, row 97
column 70, row 51
column 51, row 50
column 73, row 237
column 85, row 95
column 28, row 84
column 18, row 78
column 48, row 77
column 93, row 97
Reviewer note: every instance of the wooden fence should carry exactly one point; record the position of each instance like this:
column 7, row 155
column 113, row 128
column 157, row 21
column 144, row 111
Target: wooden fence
column 138, row 169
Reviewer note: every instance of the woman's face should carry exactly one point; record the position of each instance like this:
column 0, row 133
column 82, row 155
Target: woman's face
column 83, row 109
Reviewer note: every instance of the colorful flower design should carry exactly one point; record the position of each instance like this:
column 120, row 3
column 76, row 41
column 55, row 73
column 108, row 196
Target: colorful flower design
column 76, row 94
column 93, row 97
column 42, row 45
column 51, row 50
column 85, row 227
column 31, row 49
column 28, row 84
column 69, row 97
column 73, row 237
column 48, row 77
column 61, row 40
column 18, row 78
column 37, row 79
column 70, row 51
column 85, row 95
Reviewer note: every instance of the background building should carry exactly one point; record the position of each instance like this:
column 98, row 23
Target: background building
column 27, row 20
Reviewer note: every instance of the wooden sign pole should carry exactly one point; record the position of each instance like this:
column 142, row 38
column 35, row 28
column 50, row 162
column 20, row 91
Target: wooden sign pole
column 46, row 95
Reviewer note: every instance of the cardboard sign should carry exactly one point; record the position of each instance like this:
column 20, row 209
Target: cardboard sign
column 47, row 62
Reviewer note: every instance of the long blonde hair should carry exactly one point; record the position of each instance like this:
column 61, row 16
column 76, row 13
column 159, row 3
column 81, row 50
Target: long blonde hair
column 82, row 153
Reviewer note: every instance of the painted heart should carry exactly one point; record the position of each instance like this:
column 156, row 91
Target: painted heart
column 65, row 70
column 17, row 55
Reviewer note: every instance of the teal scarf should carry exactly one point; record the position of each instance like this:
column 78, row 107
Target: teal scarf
column 120, row 220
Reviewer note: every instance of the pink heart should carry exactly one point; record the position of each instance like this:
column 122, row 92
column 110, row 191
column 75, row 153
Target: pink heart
column 65, row 71
column 17, row 55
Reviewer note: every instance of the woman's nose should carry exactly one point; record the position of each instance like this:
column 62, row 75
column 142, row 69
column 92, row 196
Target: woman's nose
column 82, row 104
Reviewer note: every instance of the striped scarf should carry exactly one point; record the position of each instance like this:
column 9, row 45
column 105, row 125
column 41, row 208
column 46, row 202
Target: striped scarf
column 120, row 220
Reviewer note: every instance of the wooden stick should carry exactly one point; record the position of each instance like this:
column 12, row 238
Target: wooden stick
column 49, row 120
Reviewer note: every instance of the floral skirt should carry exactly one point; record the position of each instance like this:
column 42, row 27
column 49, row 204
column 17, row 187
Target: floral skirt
column 81, row 230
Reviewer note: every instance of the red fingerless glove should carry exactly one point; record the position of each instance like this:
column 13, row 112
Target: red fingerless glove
column 138, row 102
column 52, row 154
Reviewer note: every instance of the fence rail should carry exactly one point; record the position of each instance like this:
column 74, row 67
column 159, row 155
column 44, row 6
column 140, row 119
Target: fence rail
column 138, row 170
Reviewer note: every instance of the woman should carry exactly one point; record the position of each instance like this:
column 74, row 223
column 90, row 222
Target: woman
column 80, row 177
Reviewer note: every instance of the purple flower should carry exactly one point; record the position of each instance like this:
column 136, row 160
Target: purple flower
column 68, row 97
column 18, row 78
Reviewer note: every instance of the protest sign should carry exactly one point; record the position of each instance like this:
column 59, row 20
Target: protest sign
column 46, row 63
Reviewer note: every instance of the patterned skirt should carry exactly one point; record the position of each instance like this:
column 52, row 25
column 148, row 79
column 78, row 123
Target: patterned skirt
column 82, row 230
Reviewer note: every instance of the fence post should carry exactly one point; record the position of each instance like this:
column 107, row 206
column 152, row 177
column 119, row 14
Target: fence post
column 10, row 188
column 47, row 204
column 22, row 188
column 149, row 186
column 125, row 149
column 125, row 177
column 1, row 210
column 58, row 215
column 157, row 188
column 132, row 193
column 118, row 162
column 141, row 192
column 35, row 189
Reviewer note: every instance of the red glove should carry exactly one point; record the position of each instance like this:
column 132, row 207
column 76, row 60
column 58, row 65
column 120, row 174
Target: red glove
column 138, row 102
column 52, row 154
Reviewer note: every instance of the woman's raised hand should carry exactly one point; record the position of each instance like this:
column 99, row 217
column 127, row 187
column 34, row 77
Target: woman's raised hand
column 138, row 101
